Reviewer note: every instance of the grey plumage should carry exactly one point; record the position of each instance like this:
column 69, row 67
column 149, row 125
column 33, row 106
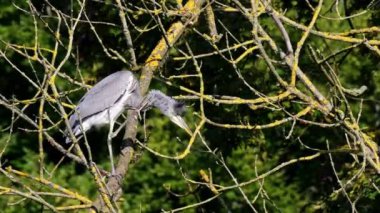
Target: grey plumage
column 104, row 97
column 167, row 105
column 98, row 98
column 104, row 103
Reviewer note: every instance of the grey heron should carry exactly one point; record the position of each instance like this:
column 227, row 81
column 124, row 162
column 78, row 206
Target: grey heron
column 110, row 97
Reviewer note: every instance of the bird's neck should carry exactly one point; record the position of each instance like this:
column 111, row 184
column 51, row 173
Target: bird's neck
column 156, row 99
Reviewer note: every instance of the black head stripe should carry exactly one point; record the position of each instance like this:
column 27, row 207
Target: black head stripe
column 179, row 108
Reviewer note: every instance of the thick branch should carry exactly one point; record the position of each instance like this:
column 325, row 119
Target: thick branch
column 156, row 58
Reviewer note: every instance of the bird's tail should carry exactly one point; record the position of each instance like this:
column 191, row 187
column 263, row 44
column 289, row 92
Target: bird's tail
column 76, row 133
column 68, row 138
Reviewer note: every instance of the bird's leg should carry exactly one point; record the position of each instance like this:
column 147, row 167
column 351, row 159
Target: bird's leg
column 138, row 110
column 144, row 106
column 114, row 134
column 139, row 114
column 144, row 125
column 109, row 142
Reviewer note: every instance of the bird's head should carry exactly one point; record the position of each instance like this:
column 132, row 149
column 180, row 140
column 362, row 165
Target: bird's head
column 179, row 108
column 168, row 106
column 175, row 115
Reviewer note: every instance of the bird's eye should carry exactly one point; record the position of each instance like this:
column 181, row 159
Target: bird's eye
column 179, row 108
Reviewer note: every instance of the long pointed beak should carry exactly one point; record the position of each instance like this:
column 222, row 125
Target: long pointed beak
column 181, row 123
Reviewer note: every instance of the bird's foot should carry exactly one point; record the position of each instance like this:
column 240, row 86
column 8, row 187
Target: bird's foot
column 113, row 171
column 113, row 174
column 110, row 174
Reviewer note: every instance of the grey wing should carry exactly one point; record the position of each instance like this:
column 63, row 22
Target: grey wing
column 104, row 94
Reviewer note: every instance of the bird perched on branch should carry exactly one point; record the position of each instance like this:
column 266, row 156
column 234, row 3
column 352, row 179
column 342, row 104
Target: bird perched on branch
column 110, row 97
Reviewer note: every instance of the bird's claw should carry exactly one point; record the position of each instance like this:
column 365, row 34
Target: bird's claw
column 113, row 172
